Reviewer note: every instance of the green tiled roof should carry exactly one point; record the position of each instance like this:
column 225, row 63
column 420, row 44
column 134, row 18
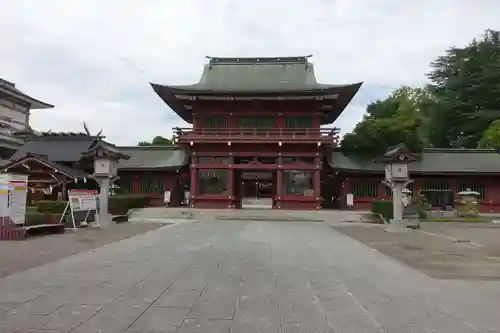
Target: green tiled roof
column 259, row 76
column 431, row 161
column 152, row 157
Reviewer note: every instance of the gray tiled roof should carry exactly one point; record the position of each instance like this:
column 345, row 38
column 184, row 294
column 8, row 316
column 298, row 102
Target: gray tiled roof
column 56, row 148
column 431, row 161
column 108, row 148
column 9, row 88
column 152, row 157
column 66, row 170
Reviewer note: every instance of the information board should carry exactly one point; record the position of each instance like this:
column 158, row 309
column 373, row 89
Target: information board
column 18, row 192
column 4, row 196
column 82, row 200
column 13, row 193
column 82, row 205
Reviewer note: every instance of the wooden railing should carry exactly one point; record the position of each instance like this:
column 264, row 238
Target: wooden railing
column 323, row 135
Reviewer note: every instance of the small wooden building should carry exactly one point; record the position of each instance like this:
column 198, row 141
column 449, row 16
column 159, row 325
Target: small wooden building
column 438, row 174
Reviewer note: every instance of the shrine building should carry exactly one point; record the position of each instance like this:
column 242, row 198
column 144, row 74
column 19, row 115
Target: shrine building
column 261, row 128
column 258, row 130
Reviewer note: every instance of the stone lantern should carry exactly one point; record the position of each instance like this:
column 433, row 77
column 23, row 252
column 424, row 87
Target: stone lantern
column 105, row 157
column 467, row 203
column 397, row 178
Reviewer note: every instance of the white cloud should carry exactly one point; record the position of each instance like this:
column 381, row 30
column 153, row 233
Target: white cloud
column 93, row 59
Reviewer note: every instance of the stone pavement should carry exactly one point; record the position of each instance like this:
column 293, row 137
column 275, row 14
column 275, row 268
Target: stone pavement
column 235, row 276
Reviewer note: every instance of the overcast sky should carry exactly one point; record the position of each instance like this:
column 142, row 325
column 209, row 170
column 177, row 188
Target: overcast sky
column 94, row 59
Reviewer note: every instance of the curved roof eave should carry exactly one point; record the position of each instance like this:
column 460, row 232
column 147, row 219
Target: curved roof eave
column 346, row 94
column 196, row 89
column 169, row 98
column 341, row 103
column 34, row 103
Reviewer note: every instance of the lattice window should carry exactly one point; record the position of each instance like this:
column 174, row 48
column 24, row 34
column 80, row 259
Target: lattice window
column 299, row 122
column 298, row 183
column 364, row 189
column 213, row 181
column 125, row 184
column 437, row 193
column 213, row 122
column 151, row 185
column 205, row 160
column 472, row 186
column 213, row 160
column 388, row 190
column 255, row 122
column 292, row 160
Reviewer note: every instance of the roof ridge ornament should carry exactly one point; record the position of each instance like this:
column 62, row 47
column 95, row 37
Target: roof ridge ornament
column 255, row 60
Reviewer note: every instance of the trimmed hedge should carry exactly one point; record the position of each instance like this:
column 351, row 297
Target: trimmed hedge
column 50, row 206
column 31, row 209
column 34, row 218
column 383, row 207
column 121, row 204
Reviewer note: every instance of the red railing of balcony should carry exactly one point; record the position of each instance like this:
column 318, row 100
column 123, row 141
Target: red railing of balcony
column 324, row 135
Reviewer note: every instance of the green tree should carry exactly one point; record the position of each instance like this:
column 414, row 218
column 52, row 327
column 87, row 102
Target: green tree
column 465, row 83
column 491, row 137
column 157, row 141
column 400, row 118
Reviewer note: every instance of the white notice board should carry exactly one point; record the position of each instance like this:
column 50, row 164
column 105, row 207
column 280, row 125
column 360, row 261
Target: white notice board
column 18, row 191
column 13, row 193
column 350, row 200
column 84, row 201
column 4, row 195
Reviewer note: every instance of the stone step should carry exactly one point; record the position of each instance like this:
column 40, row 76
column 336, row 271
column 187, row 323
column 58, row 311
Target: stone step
column 245, row 214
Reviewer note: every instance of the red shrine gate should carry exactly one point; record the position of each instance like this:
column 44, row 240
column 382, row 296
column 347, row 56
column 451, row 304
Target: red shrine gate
column 231, row 164
column 257, row 131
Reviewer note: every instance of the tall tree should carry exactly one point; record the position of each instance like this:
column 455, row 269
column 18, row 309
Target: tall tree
column 491, row 137
column 157, row 141
column 466, row 85
column 400, row 118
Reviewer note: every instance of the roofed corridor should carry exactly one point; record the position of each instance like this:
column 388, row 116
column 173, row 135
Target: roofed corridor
column 236, row 276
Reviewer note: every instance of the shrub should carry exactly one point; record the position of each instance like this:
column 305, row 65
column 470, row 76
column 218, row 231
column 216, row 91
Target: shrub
column 49, row 206
column 31, row 209
column 121, row 204
column 34, row 218
column 383, row 207
column 421, row 203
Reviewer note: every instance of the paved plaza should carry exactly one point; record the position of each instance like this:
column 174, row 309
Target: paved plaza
column 237, row 276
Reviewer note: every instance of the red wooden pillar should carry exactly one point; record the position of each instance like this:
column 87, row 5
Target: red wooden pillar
column 230, row 182
column 454, row 186
column 194, row 180
column 136, row 184
column 280, row 121
column 317, row 181
column 346, row 189
column 279, row 182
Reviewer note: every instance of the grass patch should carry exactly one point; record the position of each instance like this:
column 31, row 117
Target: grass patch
column 478, row 219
